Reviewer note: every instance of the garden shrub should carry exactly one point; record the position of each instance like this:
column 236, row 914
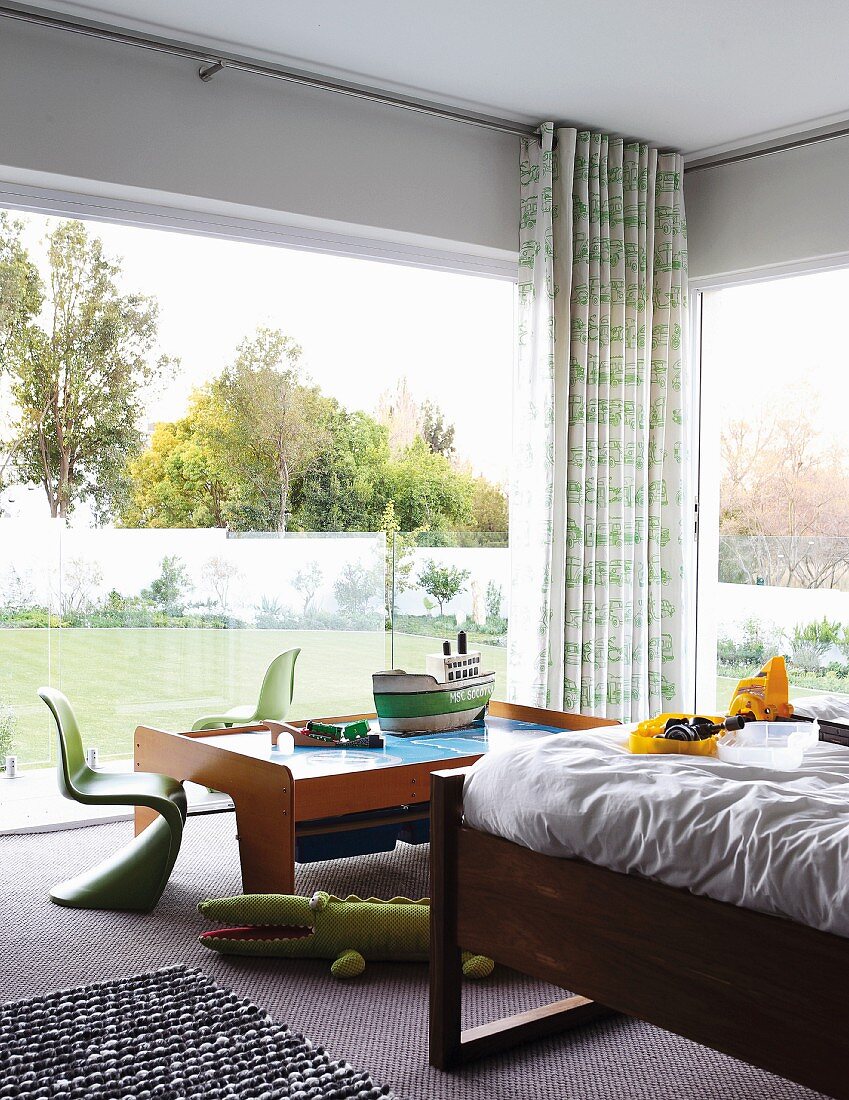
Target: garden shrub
column 28, row 617
column 760, row 640
column 7, row 733
column 810, row 643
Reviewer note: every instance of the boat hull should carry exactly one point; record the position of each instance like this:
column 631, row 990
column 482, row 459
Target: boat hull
column 419, row 704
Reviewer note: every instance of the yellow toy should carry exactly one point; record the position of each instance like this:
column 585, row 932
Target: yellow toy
column 761, row 698
column 653, row 726
column 651, row 736
column 764, row 697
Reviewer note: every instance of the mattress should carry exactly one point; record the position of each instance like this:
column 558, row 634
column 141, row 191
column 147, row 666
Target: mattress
column 773, row 841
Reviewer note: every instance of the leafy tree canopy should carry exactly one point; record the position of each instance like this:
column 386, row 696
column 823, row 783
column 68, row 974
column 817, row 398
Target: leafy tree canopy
column 784, row 488
column 183, row 478
column 442, row 582
column 21, row 288
column 436, row 431
column 489, row 506
column 426, row 490
column 78, row 356
column 356, row 588
column 274, row 423
column 262, row 449
column 343, row 486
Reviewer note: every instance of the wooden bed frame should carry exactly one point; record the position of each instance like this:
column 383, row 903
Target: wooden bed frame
column 767, row 990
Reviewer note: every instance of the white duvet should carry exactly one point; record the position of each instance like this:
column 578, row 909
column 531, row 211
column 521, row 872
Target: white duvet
column 775, row 841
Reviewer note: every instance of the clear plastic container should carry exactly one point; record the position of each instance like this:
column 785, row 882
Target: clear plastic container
column 778, row 745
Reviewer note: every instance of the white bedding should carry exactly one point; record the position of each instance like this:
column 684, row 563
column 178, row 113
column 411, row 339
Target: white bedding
column 773, row 841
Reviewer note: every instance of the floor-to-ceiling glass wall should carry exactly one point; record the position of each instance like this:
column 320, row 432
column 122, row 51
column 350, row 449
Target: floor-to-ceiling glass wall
column 213, row 450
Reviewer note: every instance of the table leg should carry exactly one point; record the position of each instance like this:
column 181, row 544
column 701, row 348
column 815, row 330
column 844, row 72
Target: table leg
column 262, row 792
column 143, row 818
column 265, row 821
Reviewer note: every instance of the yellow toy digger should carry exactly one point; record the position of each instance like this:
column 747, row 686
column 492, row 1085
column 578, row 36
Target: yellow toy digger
column 764, row 698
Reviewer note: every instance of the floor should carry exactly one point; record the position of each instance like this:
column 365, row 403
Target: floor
column 379, row 1021
column 31, row 802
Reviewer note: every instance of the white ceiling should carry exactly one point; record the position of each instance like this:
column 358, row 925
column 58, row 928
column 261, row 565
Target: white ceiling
column 697, row 76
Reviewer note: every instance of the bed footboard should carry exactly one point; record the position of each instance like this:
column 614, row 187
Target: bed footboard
column 449, row 1044
column 769, row 991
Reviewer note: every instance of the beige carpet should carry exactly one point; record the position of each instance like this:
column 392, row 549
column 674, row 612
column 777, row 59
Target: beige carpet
column 378, row 1022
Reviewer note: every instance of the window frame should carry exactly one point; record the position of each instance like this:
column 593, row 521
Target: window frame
column 229, row 221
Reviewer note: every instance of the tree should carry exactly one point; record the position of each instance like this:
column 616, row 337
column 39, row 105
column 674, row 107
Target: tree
column 246, row 453
column 21, row 288
column 184, row 478
column 435, row 431
column 489, row 507
column 343, row 488
column 80, row 580
column 307, row 582
column 442, row 582
column 77, row 380
column 207, row 469
column 8, row 444
column 220, row 573
column 494, row 598
column 399, row 412
column 21, row 297
column 17, row 591
column 355, row 588
column 273, row 424
column 168, row 592
column 398, row 564
column 426, row 491
column 784, row 495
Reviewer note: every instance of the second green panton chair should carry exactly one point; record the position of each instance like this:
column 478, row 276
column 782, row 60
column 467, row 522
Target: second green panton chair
column 134, row 877
column 275, row 697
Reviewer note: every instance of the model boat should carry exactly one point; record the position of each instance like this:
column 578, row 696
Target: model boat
column 450, row 694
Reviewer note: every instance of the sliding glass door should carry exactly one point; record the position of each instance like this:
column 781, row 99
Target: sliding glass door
column 774, row 485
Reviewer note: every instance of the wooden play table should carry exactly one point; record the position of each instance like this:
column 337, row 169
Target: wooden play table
column 280, row 796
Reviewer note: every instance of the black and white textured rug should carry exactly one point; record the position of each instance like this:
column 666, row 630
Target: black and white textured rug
column 169, row 1033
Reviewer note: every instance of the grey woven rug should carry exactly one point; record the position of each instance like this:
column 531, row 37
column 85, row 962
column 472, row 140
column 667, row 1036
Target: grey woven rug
column 170, row 1033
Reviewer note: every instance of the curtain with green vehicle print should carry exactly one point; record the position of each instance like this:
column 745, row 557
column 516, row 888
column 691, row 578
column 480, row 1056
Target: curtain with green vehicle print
column 597, row 502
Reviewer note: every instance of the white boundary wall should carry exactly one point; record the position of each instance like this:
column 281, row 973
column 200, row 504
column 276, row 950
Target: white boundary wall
column 129, row 560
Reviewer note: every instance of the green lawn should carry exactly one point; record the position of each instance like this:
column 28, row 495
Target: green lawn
column 118, row 679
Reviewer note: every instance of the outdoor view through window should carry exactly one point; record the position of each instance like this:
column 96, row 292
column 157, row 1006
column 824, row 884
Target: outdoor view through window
column 212, row 451
column 776, row 388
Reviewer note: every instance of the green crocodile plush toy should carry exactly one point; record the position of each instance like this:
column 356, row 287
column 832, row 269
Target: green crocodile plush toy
column 346, row 930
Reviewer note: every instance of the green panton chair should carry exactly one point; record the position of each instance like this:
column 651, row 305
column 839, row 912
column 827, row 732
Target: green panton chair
column 275, row 697
column 134, row 877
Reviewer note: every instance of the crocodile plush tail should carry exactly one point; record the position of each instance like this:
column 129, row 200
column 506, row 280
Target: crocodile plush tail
column 477, row 966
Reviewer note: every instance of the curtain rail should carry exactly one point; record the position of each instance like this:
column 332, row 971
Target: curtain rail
column 212, row 61
column 798, row 141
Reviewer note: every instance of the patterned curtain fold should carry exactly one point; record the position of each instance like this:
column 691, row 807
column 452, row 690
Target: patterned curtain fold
column 597, row 502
